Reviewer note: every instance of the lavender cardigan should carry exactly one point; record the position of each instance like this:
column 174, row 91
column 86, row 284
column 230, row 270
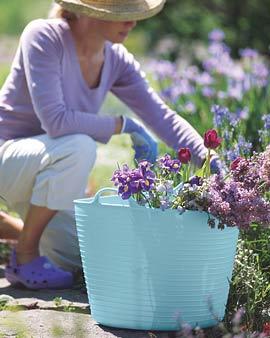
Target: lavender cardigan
column 45, row 92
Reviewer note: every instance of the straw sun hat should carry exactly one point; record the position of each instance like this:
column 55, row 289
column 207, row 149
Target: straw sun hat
column 114, row 10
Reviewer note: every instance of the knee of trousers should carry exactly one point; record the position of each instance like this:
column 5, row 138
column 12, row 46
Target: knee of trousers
column 82, row 152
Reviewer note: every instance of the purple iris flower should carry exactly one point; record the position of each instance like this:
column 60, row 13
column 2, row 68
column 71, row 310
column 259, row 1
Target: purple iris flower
column 195, row 180
column 134, row 181
column 172, row 165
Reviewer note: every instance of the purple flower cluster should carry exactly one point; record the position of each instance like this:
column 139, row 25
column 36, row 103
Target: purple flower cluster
column 169, row 164
column 247, row 172
column 265, row 167
column 132, row 181
column 234, row 205
column 240, row 200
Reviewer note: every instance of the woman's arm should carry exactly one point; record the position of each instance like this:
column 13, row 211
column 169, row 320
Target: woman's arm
column 132, row 88
column 42, row 53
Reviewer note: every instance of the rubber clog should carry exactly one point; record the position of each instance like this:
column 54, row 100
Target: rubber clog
column 40, row 273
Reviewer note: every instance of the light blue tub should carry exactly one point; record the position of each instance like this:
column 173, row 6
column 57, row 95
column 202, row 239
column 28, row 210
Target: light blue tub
column 153, row 270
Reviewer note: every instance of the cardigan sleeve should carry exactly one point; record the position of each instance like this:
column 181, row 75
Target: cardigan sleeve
column 42, row 53
column 132, row 88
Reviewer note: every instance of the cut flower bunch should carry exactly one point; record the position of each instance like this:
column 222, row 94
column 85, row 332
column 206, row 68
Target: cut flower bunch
column 237, row 196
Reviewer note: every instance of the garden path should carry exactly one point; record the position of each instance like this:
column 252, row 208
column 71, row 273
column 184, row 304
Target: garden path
column 43, row 314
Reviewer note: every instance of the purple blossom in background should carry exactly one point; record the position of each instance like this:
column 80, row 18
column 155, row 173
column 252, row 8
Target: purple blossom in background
column 236, row 73
column 204, row 79
column 222, row 95
column 248, row 53
column 221, row 114
column 210, row 64
column 218, row 49
column 208, row 92
column 244, row 146
column 180, row 87
column 216, row 35
column 163, row 69
column 266, row 120
column 190, row 107
column 235, row 91
column 231, row 154
column 260, row 74
column 242, row 113
column 191, row 73
column 171, row 165
column 227, row 135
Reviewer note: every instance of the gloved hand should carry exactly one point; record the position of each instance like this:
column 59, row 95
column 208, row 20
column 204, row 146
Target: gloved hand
column 144, row 145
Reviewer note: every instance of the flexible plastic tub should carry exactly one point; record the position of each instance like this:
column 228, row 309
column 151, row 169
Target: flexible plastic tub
column 151, row 269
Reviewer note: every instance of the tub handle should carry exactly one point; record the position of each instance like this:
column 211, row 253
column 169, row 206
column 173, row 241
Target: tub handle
column 131, row 200
column 101, row 191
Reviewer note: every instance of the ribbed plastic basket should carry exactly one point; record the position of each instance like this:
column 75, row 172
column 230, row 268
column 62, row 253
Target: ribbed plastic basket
column 151, row 269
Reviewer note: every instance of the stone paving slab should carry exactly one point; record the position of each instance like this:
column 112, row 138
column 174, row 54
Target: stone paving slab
column 40, row 316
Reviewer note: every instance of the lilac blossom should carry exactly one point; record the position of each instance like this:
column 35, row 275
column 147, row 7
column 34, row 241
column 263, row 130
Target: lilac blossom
column 234, row 205
column 247, row 173
column 265, row 167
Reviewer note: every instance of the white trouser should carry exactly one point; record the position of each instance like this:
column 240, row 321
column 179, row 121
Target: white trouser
column 51, row 173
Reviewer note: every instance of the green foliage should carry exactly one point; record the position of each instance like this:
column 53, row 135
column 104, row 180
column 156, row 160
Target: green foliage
column 246, row 23
column 15, row 14
column 250, row 287
column 4, row 70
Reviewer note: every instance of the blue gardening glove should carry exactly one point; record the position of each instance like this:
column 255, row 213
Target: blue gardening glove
column 144, row 145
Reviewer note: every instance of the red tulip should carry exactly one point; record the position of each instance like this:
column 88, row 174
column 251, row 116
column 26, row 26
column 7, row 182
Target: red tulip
column 184, row 155
column 211, row 139
column 235, row 163
column 266, row 329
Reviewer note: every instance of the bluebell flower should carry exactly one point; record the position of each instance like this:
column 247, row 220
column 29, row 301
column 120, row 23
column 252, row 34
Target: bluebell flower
column 221, row 114
column 266, row 120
